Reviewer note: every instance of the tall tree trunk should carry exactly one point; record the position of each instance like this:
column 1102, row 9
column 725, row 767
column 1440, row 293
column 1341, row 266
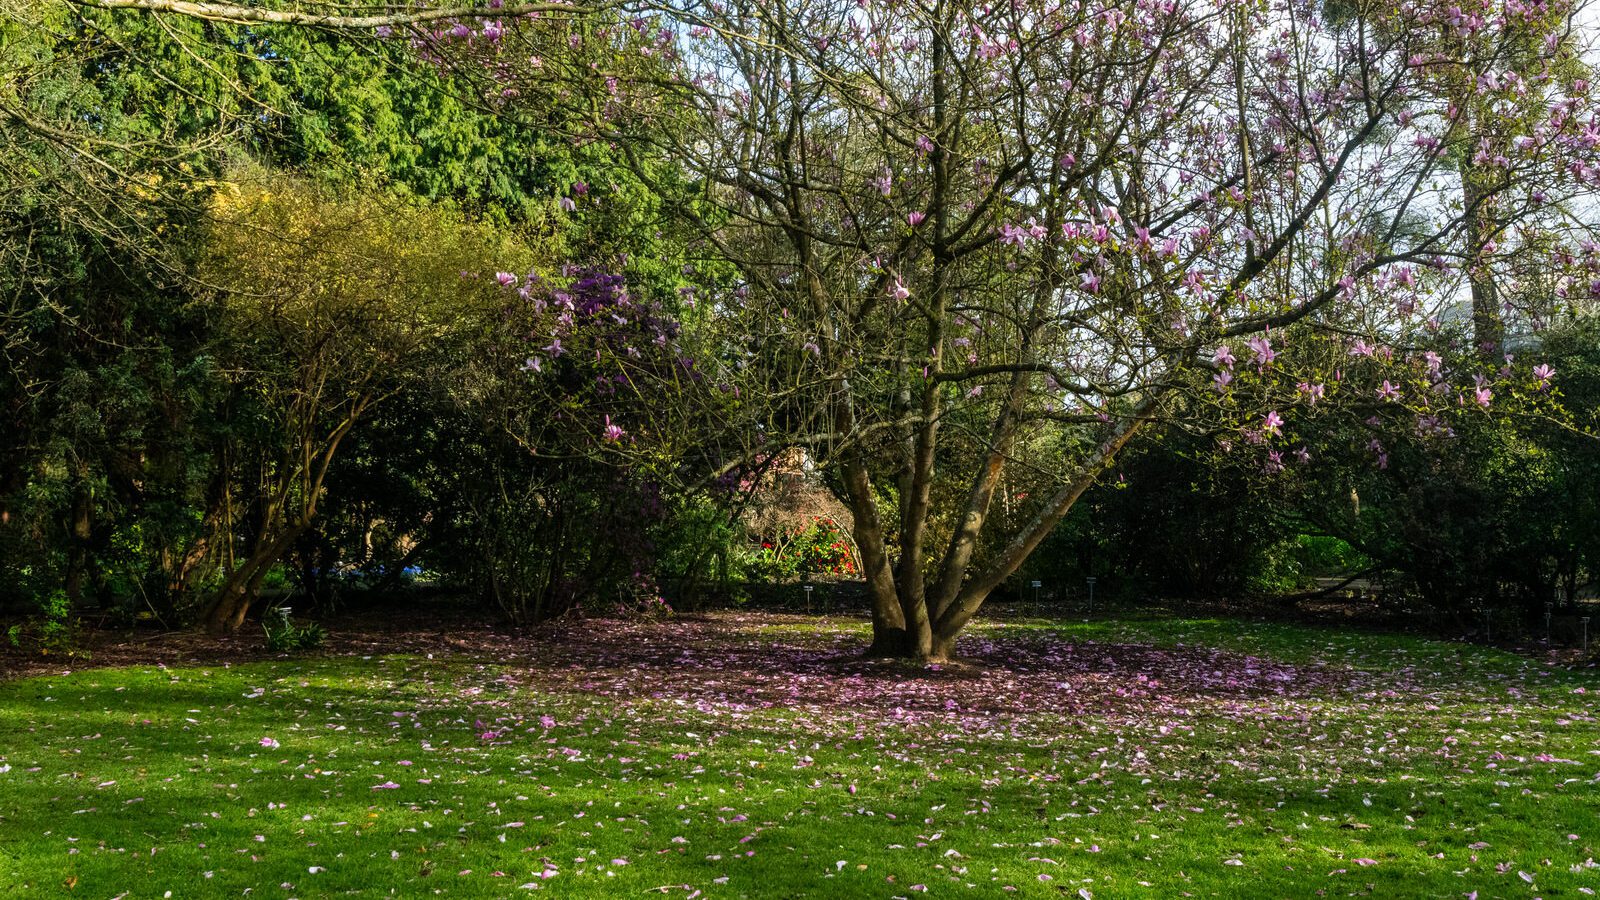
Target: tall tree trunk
column 1488, row 328
column 888, row 619
column 197, row 559
column 80, row 535
column 964, row 538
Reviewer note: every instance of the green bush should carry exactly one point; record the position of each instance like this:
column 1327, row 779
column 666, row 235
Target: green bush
column 1323, row 556
column 767, row 563
column 284, row 636
column 53, row 631
column 1276, row 569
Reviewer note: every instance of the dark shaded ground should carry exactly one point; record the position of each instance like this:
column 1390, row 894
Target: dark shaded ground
column 745, row 661
column 414, row 628
column 737, row 640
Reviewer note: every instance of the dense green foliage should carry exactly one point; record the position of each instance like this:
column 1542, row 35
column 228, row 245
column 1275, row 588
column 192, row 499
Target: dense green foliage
column 157, row 429
column 1497, row 515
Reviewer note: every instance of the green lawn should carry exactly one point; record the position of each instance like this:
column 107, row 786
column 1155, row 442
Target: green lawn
column 750, row 756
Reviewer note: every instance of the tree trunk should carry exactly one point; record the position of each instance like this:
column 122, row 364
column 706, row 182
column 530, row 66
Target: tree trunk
column 943, row 648
column 933, row 638
column 1488, row 328
column 80, row 533
column 888, row 619
column 228, row 608
column 239, row 591
column 919, row 629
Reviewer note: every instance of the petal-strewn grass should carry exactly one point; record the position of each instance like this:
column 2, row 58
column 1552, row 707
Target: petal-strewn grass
column 759, row 756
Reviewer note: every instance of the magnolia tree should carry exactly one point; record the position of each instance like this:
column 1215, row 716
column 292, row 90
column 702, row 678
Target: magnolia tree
column 986, row 245
column 979, row 247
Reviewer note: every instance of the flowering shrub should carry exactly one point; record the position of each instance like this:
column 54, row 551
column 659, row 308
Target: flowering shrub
column 771, row 563
column 824, row 549
column 821, row 548
column 641, row 599
column 575, row 510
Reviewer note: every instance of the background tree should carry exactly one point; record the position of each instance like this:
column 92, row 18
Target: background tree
column 102, row 384
column 330, row 303
column 121, row 466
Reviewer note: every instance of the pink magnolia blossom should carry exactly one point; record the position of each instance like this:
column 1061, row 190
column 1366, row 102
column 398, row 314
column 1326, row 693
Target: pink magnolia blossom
column 1262, row 348
column 1274, row 463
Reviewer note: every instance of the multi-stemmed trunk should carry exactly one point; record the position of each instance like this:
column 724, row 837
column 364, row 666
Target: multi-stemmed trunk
column 912, row 622
column 238, row 591
column 288, row 508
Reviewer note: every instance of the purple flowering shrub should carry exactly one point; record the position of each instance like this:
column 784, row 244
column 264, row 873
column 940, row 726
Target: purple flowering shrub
column 591, row 360
column 586, row 385
column 1462, row 474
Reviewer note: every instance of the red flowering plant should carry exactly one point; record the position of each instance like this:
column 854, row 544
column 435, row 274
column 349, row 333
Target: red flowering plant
column 824, row 549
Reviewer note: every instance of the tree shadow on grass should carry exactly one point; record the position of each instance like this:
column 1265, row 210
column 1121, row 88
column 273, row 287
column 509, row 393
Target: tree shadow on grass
column 764, row 660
